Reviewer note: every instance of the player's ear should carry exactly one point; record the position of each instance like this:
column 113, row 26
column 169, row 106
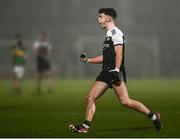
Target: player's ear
column 108, row 18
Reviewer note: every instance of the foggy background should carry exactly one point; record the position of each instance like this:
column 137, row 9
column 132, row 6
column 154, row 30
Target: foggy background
column 151, row 28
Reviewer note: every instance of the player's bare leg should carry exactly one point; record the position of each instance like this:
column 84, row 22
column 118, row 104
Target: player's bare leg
column 39, row 82
column 48, row 81
column 13, row 84
column 16, row 85
column 123, row 97
column 95, row 92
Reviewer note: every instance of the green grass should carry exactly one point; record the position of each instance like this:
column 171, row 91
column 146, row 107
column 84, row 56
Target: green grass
column 48, row 115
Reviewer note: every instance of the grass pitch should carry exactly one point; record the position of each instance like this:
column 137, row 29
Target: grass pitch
column 49, row 115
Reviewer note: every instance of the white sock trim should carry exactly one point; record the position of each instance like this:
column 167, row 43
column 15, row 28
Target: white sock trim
column 153, row 118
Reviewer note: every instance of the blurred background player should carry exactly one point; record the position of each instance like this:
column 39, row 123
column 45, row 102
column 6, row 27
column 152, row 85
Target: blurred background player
column 42, row 49
column 18, row 62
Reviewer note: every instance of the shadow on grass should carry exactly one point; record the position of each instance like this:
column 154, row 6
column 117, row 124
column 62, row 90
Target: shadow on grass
column 144, row 128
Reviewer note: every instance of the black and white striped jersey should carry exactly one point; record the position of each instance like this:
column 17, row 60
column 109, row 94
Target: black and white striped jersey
column 42, row 48
column 113, row 38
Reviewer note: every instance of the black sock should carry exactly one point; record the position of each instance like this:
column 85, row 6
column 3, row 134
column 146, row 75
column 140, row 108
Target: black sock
column 88, row 123
column 150, row 115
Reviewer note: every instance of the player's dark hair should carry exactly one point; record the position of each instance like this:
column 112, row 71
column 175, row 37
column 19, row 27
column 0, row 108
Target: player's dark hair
column 108, row 11
column 44, row 33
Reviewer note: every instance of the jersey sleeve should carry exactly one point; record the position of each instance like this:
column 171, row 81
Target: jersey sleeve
column 117, row 39
column 36, row 45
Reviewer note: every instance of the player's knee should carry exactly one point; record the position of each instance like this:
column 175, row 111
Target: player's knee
column 126, row 102
column 89, row 100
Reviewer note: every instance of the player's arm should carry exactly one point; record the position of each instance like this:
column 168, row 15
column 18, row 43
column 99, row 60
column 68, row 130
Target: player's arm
column 34, row 50
column 118, row 47
column 94, row 60
column 118, row 41
column 118, row 58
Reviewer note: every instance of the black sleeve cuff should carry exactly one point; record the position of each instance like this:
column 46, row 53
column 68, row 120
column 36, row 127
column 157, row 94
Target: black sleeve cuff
column 118, row 44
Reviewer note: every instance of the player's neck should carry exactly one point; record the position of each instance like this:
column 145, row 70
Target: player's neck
column 110, row 26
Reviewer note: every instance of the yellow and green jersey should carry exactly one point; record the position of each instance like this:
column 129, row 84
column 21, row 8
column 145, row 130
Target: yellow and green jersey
column 18, row 57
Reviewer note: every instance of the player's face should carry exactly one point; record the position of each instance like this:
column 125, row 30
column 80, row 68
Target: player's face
column 19, row 39
column 102, row 20
column 44, row 38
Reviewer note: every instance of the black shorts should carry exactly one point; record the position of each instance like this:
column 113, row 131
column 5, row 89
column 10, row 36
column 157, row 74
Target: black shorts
column 42, row 64
column 105, row 76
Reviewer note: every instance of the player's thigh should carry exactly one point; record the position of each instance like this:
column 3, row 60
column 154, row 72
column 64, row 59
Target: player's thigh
column 97, row 89
column 47, row 73
column 121, row 90
column 40, row 75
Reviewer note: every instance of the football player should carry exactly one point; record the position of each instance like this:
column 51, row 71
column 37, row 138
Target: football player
column 113, row 74
column 42, row 49
column 18, row 62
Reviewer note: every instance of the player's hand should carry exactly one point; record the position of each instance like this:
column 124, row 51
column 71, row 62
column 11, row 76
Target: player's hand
column 83, row 57
column 115, row 75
